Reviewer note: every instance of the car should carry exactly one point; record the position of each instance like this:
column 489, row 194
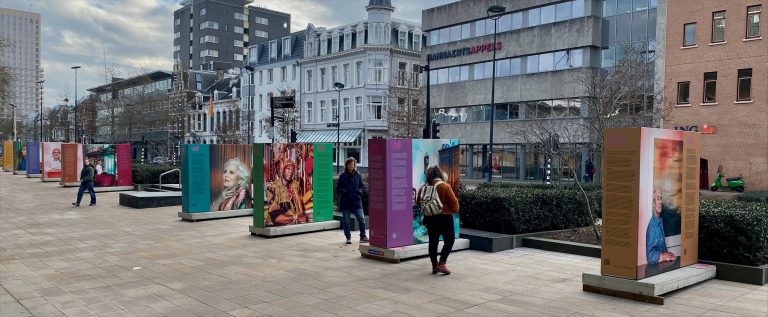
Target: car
column 159, row 160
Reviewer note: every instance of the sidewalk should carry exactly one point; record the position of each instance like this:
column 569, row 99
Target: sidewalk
column 107, row 260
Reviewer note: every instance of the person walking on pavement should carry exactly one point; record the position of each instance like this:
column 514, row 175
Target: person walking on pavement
column 349, row 188
column 440, row 224
column 86, row 183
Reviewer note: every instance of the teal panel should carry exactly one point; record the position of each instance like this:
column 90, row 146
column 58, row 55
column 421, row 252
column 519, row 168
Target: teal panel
column 195, row 178
column 323, row 182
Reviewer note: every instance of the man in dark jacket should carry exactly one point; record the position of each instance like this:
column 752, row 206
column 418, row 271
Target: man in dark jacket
column 350, row 187
column 86, row 182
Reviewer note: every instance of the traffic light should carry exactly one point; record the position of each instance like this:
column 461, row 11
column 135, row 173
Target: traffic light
column 293, row 136
column 435, row 129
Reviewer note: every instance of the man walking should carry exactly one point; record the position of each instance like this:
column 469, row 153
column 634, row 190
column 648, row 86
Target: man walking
column 86, row 182
column 350, row 187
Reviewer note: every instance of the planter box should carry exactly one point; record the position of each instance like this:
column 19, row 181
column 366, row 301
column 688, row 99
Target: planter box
column 562, row 246
column 496, row 242
column 756, row 275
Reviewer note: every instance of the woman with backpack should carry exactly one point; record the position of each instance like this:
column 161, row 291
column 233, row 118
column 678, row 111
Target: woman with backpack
column 438, row 203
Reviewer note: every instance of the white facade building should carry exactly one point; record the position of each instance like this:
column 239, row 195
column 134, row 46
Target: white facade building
column 366, row 57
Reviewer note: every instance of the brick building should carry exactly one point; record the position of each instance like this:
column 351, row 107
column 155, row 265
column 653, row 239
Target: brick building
column 716, row 82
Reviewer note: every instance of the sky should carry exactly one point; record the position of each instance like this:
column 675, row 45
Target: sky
column 136, row 35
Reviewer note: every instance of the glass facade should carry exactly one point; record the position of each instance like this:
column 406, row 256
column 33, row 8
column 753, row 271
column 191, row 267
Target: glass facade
column 22, row 29
column 521, row 162
column 627, row 22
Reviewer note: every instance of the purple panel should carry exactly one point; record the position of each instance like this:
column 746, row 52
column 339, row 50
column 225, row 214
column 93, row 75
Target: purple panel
column 400, row 202
column 377, row 192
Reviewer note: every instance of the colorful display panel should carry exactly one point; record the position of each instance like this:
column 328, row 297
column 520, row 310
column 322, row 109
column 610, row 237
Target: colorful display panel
column 650, row 201
column 33, row 160
column 297, row 184
column 397, row 163
column 195, row 178
column 112, row 164
column 8, row 156
column 19, row 156
column 72, row 163
column 51, row 165
column 230, row 177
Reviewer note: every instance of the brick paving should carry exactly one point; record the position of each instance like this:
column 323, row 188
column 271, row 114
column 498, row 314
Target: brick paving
column 57, row 260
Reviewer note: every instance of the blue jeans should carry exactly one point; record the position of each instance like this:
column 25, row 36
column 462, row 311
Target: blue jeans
column 360, row 221
column 83, row 187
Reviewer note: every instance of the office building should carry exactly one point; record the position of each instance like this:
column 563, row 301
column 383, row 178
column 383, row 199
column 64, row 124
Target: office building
column 542, row 49
column 716, row 83
column 215, row 35
column 368, row 57
column 20, row 52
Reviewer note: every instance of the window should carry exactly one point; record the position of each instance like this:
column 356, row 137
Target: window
column 309, row 112
column 176, row 48
column 177, row 22
column 239, row 43
column 239, row 30
column 259, row 20
column 402, row 39
column 323, row 80
column 261, row 34
column 683, row 92
column 334, row 75
column 283, row 73
column 564, row 11
column 293, row 72
column 360, row 37
column 202, row 11
column 378, row 71
column 358, row 108
column 272, row 49
column 209, row 24
column 322, row 111
column 533, row 17
column 546, row 61
column 442, row 76
column 309, row 80
column 241, row 17
column 334, row 110
column 502, row 68
column 347, row 110
column 261, row 77
column 416, row 76
column 718, row 27
column 690, row 34
column 548, row 14
column 401, row 74
column 744, row 92
column 270, row 76
column 210, row 53
column 287, row 46
column 347, row 40
column 177, row 35
column 710, row 87
column 753, row 21
column 238, row 57
column 376, row 107
column 209, row 39
column 359, row 73
column 533, row 64
column 335, row 45
column 347, row 74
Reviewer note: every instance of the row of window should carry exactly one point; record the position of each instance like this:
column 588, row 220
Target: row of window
column 709, row 93
column 351, row 75
column 376, row 110
column 718, row 27
column 377, row 33
column 271, row 76
column 509, row 21
column 531, row 64
column 616, row 7
column 542, row 109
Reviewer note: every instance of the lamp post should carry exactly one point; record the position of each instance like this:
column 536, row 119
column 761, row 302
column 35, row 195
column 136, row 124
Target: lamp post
column 66, row 107
column 427, row 132
column 250, row 105
column 494, row 12
column 76, row 128
column 339, row 87
column 41, row 109
column 14, row 121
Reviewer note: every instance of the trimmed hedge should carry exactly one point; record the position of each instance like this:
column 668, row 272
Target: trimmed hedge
column 734, row 232
column 150, row 174
column 518, row 209
column 563, row 186
column 761, row 197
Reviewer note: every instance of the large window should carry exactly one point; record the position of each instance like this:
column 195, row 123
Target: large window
column 745, row 85
column 287, row 46
column 309, row 112
column 241, row 17
column 309, row 80
column 753, row 21
column 718, row 27
column 346, row 74
column 710, row 87
column 683, row 92
column 402, row 39
column 239, row 29
column 358, row 108
column 376, row 107
column 334, row 75
column 359, row 73
column 323, row 80
column 334, row 110
column 377, row 67
column 689, row 31
column 322, row 112
column 209, row 24
column 273, row 50
column 402, row 73
column 347, row 110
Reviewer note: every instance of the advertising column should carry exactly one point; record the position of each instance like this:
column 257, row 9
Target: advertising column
column 390, row 195
column 33, row 159
column 123, row 157
column 72, row 163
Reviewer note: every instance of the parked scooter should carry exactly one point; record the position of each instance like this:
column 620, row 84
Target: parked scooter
column 733, row 183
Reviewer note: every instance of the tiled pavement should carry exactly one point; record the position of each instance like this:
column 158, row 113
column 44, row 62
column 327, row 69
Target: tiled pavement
column 108, row 260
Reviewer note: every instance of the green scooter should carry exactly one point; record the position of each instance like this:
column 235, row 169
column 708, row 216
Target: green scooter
column 734, row 183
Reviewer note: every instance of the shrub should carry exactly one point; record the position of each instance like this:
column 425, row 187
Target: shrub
column 594, row 191
column 523, row 209
column 754, row 197
column 734, row 232
column 150, row 174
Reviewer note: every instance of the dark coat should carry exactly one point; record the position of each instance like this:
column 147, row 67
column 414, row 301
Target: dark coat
column 86, row 175
column 350, row 187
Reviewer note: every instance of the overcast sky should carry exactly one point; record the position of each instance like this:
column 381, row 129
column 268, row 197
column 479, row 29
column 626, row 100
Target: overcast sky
column 138, row 34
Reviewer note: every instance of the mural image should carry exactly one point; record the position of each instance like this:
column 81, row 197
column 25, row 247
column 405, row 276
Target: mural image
column 51, row 160
column 443, row 153
column 19, row 156
column 230, row 177
column 288, row 183
column 104, row 159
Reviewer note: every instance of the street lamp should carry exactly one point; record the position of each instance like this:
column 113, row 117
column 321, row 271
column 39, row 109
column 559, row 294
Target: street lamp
column 76, row 128
column 250, row 105
column 426, row 133
column 66, row 107
column 339, row 87
column 14, row 121
column 41, row 109
column 494, row 12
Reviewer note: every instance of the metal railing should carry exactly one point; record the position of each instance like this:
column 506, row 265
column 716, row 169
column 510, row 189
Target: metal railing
column 168, row 172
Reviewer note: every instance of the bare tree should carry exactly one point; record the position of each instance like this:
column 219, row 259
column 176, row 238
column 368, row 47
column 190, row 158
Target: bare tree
column 405, row 115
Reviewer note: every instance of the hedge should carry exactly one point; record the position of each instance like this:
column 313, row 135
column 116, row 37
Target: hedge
column 734, row 232
column 754, row 196
column 150, row 174
column 513, row 209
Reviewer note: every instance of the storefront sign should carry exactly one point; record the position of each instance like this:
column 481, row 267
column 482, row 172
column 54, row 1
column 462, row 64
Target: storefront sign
column 705, row 128
column 487, row 47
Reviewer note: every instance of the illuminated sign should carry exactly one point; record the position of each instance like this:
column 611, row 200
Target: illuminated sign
column 487, row 47
column 705, row 128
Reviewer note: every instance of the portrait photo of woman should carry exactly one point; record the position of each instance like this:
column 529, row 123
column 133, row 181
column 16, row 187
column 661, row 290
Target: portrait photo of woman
column 236, row 188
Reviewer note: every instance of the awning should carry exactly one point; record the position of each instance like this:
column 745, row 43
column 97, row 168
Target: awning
column 329, row 136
